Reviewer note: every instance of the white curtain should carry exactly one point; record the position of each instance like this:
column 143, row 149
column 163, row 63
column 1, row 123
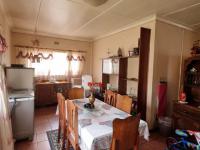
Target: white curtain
column 76, row 65
column 55, row 68
column 6, row 140
column 61, row 66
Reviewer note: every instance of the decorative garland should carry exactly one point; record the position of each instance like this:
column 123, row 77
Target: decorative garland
column 50, row 56
column 31, row 56
column 3, row 45
column 79, row 58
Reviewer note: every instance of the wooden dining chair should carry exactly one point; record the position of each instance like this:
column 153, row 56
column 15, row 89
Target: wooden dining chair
column 125, row 133
column 72, row 128
column 75, row 93
column 110, row 98
column 124, row 103
column 62, row 127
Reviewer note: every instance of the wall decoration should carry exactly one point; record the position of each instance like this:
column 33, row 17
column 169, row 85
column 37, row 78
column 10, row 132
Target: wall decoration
column 3, row 45
column 119, row 52
column 134, row 52
column 78, row 58
column 33, row 57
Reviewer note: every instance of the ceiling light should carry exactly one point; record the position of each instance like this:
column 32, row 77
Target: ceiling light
column 95, row 2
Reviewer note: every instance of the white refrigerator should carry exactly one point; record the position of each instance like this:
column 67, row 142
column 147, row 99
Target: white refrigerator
column 21, row 99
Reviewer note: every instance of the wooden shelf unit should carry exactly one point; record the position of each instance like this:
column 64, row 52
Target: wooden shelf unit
column 144, row 46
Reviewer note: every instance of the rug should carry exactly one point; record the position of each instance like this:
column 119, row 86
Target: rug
column 53, row 138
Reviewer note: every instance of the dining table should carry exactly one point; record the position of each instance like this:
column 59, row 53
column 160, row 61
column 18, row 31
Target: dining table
column 95, row 125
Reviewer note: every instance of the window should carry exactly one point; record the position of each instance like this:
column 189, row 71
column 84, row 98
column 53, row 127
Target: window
column 50, row 64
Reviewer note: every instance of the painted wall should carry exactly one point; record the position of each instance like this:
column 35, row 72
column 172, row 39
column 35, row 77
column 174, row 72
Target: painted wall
column 48, row 42
column 173, row 46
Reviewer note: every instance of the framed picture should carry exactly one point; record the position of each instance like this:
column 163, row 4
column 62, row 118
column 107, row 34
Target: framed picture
column 131, row 53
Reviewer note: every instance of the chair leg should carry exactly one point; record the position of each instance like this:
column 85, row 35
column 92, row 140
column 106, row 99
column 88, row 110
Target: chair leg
column 64, row 138
column 59, row 130
column 77, row 147
column 136, row 147
column 68, row 144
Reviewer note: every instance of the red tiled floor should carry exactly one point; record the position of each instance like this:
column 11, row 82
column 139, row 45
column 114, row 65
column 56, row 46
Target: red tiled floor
column 46, row 119
column 43, row 145
column 42, row 137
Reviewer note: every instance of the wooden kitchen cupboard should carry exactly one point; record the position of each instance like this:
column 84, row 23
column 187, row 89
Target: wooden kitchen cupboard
column 45, row 92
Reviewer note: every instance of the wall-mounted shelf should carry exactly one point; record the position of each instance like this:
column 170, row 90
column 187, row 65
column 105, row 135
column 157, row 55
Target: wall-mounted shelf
column 132, row 79
column 136, row 56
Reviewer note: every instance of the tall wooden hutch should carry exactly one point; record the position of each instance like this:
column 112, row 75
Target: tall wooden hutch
column 187, row 116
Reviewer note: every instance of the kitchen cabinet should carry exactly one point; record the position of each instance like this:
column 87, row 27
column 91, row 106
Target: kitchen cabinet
column 45, row 92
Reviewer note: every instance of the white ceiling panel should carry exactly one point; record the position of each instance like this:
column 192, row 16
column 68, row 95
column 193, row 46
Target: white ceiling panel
column 189, row 16
column 63, row 17
column 133, row 8
column 76, row 18
column 104, row 24
column 23, row 12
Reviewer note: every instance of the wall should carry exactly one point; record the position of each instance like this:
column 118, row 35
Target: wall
column 126, row 40
column 173, row 46
column 48, row 42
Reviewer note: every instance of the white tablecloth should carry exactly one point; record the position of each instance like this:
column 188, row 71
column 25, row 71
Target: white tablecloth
column 95, row 126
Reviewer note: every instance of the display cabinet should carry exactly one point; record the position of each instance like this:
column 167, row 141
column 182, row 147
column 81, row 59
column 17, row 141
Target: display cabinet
column 187, row 116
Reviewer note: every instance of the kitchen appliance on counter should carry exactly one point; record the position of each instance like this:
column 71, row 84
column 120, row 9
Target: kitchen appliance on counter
column 21, row 100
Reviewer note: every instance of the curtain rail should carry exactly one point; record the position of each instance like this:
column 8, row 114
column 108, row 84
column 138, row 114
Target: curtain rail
column 50, row 49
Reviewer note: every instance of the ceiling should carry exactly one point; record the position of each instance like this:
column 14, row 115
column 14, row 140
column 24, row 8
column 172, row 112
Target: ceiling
column 75, row 18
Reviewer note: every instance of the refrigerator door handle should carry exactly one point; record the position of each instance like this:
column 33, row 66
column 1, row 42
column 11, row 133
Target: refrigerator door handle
column 13, row 108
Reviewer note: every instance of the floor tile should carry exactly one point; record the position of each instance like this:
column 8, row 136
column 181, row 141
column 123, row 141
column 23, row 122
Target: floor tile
column 42, row 137
column 54, row 126
column 42, row 128
column 43, row 145
column 42, row 120
column 26, row 146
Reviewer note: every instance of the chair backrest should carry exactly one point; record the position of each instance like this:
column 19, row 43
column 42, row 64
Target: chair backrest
column 110, row 98
column 61, row 106
column 125, row 133
column 75, row 93
column 72, row 117
column 124, row 103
